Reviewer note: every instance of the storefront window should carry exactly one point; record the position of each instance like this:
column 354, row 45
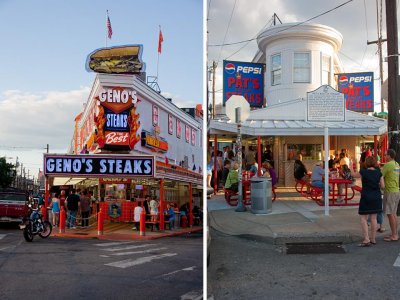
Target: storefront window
column 304, row 151
column 276, row 69
column 302, row 67
column 115, row 192
column 326, row 69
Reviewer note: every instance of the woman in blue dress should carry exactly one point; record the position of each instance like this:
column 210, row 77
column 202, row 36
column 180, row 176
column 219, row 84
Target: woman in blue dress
column 371, row 199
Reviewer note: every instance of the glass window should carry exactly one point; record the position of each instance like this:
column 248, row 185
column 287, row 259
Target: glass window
column 301, row 67
column 326, row 69
column 276, row 69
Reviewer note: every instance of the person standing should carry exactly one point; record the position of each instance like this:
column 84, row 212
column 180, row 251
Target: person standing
column 171, row 213
column 136, row 215
column 72, row 201
column 370, row 200
column 154, row 210
column 146, row 205
column 85, row 208
column 391, row 193
column 55, row 209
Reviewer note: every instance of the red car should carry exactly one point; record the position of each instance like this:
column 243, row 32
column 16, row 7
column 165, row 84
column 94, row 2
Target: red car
column 13, row 205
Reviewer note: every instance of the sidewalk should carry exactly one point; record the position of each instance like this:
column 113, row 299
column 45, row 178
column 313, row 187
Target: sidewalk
column 293, row 219
column 121, row 232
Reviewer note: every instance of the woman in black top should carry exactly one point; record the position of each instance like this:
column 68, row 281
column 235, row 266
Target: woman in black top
column 371, row 199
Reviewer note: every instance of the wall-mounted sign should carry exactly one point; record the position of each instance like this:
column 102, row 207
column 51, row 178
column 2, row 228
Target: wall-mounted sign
column 116, row 60
column 325, row 104
column 244, row 79
column 170, row 125
column 358, row 90
column 154, row 142
column 178, row 128
column 155, row 115
column 98, row 165
column 187, row 134
column 115, row 180
column 114, row 210
column 117, row 122
column 193, row 137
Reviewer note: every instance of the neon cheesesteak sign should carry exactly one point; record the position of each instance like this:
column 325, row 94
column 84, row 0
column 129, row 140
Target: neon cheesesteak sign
column 99, row 165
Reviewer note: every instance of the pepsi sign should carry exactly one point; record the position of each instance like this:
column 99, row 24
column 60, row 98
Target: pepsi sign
column 358, row 90
column 244, row 79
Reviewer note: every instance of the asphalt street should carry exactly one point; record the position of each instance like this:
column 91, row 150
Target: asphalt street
column 248, row 269
column 55, row 268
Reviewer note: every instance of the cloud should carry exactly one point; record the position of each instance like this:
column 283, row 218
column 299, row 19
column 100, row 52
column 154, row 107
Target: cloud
column 36, row 119
column 179, row 101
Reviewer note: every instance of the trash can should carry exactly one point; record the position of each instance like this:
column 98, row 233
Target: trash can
column 261, row 195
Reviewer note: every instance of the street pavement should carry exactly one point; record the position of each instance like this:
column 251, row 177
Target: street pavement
column 293, row 219
column 248, row 269
column 59, row 268
column 250, row 260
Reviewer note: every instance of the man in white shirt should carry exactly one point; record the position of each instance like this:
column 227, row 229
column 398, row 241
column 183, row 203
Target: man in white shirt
column 136, row 215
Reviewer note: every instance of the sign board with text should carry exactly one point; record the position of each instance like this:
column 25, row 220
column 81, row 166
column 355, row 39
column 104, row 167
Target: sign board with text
column 325, row 104
column 358, row 90
column 244, row 79
column 98, row 165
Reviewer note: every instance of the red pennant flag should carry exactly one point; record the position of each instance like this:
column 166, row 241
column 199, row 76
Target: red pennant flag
column 160, row 40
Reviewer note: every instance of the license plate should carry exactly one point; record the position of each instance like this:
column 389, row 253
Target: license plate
column 22, row 226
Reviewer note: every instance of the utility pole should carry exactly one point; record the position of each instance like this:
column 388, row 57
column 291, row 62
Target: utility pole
column 393, row 76
column 214, row 67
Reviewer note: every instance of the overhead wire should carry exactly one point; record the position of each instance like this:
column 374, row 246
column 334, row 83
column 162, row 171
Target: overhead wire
column 227, row 29
column 284, row 29
column 265, row 26
column 366, row 29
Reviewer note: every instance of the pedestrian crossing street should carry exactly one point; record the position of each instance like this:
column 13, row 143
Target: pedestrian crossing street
column 139, row 251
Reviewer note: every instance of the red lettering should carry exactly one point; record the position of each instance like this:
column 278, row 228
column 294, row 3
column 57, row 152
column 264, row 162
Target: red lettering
column 256, row 83
column 366, row 91
column 238, row 83
column 231, row 81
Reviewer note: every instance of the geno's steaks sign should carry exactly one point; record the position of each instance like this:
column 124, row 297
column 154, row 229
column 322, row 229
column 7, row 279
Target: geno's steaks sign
column 99, row 165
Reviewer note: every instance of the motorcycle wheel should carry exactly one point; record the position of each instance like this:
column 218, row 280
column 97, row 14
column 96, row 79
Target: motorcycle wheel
column 28, row 233
column 47, row 228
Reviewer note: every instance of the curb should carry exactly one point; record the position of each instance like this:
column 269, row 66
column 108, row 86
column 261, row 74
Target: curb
column 122, row 236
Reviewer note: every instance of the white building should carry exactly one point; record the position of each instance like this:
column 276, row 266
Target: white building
column 299, row 58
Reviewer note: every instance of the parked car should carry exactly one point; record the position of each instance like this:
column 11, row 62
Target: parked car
column 13, row 204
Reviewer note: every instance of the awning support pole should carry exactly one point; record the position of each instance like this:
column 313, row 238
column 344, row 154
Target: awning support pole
column 215, row 166
column 259, row 156
column 326, row 169
column 190, row 205
column 162, row 205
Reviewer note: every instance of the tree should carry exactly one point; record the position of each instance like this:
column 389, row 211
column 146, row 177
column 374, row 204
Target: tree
column 7, row 173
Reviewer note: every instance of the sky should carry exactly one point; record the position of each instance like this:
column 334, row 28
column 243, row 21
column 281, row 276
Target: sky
column 238, row 20
column 43, row 80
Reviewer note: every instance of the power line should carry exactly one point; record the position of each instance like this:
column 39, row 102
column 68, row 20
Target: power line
column 227, row 28
column 265, row 26
column 295, row 25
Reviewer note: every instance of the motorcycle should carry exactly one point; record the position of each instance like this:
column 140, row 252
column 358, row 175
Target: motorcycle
column 34, row 224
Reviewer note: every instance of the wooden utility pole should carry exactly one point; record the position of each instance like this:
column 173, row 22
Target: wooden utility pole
column 214, row 68
column 393, row 76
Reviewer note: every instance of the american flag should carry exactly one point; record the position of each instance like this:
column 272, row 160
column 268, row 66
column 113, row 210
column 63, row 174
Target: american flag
column 160, row 40
column 109, row 27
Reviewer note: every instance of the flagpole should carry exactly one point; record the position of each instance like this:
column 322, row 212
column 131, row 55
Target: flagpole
column 158, row 52
column 106, row 26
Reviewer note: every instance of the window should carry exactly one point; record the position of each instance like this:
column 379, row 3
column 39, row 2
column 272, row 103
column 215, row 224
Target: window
column 276, row 69
column 326, row 69
column 301, row 67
